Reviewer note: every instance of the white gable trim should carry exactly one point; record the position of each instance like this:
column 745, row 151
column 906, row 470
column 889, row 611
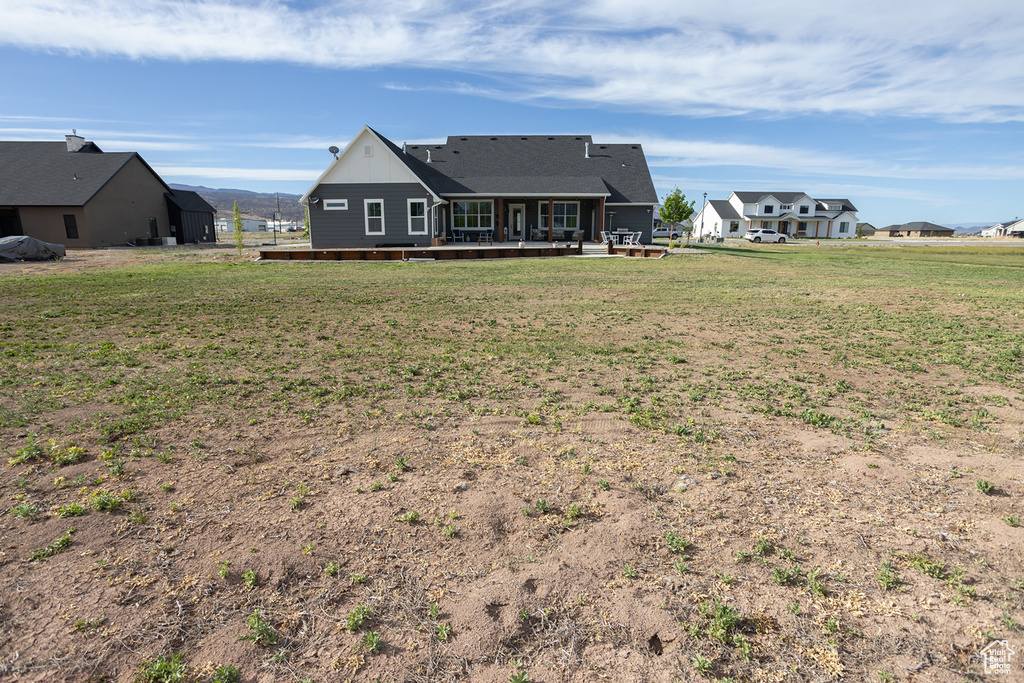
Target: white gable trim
column 355, row 151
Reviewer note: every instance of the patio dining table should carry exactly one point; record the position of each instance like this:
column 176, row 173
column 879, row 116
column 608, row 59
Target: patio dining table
column 477, row 234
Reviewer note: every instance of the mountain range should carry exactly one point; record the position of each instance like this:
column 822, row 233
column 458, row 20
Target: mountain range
column 250, row 204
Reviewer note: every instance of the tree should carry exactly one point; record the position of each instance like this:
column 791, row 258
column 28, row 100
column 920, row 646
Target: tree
column 305, row 225
column 675, row 209
column 237, row 220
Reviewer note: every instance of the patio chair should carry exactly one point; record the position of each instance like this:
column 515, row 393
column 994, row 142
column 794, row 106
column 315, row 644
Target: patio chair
column 632, row 239
column 607, row 237
column 457, row 235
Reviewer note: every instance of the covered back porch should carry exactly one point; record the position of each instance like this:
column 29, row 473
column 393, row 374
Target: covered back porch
column 530, row 218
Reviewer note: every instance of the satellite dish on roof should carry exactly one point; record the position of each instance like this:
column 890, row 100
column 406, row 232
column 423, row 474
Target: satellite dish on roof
column 333, row 150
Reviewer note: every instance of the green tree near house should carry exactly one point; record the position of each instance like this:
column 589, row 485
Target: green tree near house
column 305, row 225
column 675, row 209
column 239, row 239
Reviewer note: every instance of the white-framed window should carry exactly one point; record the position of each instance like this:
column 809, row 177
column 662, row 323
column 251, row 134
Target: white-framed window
column 335, row 205
column 417, row 216
column 786, row 207
column 844, row 227
column 804, row 209
column 472, row 214
column 835, row 207
column 766, row 225
column 566, row 215
column 374, row 216
column 769, row 208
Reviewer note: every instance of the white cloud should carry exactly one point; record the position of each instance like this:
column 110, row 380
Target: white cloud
column 949, row 60
column 273, row 174
column 680, row 153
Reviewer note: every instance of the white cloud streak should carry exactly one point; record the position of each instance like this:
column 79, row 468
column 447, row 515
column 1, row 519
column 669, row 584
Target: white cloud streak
column 271, row 174
column 677, row 153
column 939, row 59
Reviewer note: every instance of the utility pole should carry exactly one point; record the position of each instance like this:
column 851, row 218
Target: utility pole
column 277, row 217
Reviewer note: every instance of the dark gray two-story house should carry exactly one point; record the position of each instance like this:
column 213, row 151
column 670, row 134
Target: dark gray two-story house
column 504, row 188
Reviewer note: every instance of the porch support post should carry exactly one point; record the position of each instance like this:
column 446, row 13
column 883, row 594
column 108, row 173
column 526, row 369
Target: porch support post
column 600, row 219
column 501, row 219
column 828, row 230
column 551, row 220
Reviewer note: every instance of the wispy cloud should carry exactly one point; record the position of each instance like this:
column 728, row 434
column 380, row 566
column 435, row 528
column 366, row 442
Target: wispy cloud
column 681, row 153
column 953, row 61
column 248, row 174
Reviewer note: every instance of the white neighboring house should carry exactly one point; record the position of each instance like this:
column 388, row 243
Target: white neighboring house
column 1014, row 228
column 248, row 225
column 792, row 213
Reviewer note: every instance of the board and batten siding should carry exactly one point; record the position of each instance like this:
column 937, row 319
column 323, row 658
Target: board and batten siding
column 336, row 229
column 637, row 218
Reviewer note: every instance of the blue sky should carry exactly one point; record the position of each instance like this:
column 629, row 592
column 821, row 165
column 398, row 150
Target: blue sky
column 913, row 110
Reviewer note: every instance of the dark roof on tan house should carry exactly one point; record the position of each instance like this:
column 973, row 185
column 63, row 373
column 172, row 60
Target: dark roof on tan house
column 915, row 226
column 48, row 174
column 541, row 165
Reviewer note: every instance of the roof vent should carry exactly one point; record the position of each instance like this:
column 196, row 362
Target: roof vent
column 403, row 148
column 429, row 160
column 75, row 142
column 494, row 138
column 524, row 138
column 463, row 139
column 586, row 150
column 550, row 138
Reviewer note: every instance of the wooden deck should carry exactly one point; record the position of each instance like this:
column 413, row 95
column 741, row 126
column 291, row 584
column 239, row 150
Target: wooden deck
column 455, row 252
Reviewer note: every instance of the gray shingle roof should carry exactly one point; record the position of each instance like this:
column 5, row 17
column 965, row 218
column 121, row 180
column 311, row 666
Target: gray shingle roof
column 783, row 197
column 186, row 200
column 532, row 165
column 915, row 225
column 724, row 209
column 46, row 174
column 847, row 204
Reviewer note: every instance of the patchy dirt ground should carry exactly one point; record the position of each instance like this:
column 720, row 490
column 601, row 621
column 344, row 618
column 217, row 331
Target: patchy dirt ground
column 539, row 532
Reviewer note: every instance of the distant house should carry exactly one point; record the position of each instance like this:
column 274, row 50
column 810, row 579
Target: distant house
column 1014, row 228
column 191, row 217
column 915, row 229
column 494, row 187
column 75, row 194
column 248, row 225
column 795, row 214
column 866, row 229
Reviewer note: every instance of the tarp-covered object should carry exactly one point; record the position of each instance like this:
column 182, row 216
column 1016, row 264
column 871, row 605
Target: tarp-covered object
column 23, row 248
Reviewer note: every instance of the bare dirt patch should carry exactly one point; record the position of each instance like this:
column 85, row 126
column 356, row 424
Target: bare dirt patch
column 491, row 486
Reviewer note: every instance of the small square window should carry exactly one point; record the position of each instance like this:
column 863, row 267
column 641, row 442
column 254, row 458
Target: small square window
column 803, row 209
column 367, row 150
column 768, row 208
